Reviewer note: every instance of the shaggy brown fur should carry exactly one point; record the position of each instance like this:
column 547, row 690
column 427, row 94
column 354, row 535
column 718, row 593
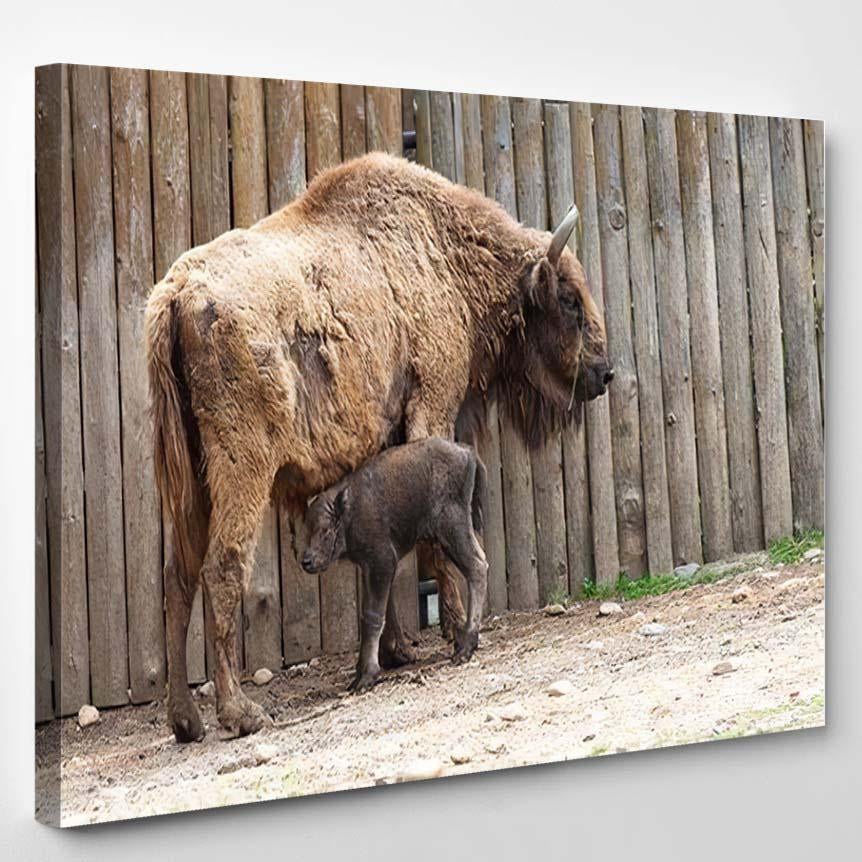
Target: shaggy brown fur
column 368, row 309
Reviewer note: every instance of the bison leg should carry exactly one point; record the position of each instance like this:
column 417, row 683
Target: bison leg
column 182, row 577
column 235, row 525
column 395, row 648
column 434, row 564
column 376, row 585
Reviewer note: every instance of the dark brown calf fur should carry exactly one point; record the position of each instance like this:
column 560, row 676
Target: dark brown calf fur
column 427, row 491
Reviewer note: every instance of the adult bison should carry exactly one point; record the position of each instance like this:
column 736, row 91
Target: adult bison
column 380, row 305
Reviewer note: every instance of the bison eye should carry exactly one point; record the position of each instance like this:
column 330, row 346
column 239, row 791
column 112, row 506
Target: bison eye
column 569, row 304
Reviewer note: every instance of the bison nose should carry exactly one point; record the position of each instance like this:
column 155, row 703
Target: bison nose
column 307, row 562
column 609, row 375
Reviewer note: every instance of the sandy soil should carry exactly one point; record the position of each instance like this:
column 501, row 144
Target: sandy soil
column 721, row 668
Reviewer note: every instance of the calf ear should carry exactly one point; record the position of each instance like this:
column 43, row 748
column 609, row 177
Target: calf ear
column 340, row 503
column 542, row 285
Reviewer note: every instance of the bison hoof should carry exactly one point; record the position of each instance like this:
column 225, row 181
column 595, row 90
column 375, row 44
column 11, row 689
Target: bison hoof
column 186, row 722
column 242, row 716
column 363, row 682
column 465, row 645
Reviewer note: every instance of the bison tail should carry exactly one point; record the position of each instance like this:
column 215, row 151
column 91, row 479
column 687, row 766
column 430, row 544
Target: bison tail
column 480, row 489
column 171, row 413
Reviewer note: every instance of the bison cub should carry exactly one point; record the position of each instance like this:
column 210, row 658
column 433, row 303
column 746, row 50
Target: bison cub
column 427, row 491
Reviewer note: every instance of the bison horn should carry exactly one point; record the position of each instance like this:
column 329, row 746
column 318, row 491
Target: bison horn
column 562, row 234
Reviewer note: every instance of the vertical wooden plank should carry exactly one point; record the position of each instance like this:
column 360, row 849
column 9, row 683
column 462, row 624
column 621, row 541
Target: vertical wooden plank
column 646, row 343
column 339, row 629
column 285, row 140
column 546, row 462
column 383, row 124
column 603, row 507
column 561, row 195
column 106, row 573
column 458, row 132
column 408, row 118
column 169, row 143
column 705, row 339
column 623, row 393
column 743, row 467
column 58, row 290
column 262, row 599
column 422, row 117
column 763, row 292
column 301, row 591
column 796, row 282
column 352, row 121
column 673, row 320
column 521, row 572
column 488, row 444
column 816, row 179
column 442, row 135
column 134, row 265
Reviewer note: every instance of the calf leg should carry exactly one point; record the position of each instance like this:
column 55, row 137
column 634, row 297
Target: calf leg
column 433, row 563
column 376, row 585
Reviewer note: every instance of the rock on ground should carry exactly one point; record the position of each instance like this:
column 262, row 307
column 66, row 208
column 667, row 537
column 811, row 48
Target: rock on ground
column 262, row 676
column 560, row 688
column 513, row 712
column 554, row 610
column 207, row 689
column 87, row 715
column 740, row 594
column 652, row 630
column 461, row 755
column 607, row 609
column 420, row 770
column 689, row 570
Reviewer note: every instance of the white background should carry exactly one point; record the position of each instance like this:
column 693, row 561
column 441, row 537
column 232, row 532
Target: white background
column 793, row 796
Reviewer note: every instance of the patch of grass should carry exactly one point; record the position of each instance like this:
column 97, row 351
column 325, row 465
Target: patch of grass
column 559, row 596
column 791, row 549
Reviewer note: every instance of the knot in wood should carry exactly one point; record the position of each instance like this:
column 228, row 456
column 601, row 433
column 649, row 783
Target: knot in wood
column 817, row 227
column 617, row 217
column 671, row 419
column 658, row 224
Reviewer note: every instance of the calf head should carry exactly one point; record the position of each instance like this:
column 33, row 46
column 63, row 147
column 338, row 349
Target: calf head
column 326, row 535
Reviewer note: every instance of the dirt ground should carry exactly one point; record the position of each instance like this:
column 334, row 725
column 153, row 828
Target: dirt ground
column 722, row 666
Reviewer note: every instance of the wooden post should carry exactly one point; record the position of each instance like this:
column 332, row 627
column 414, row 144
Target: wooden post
column 561, row 195
column 623, row 393
column 58, row 292
column 262, row 599
column 422, row 104
column 339, row 615
column 100, row 396
column 603, row 508
column 285, row 141
column 442, row 135
column 763, row 291
column 705, row 338
column 352, row 121
column 669, row 254
column 743, row 467
column 546, row 463
column 134, row 263
column 796, row 280
column 169, row 130
column 815, row 173
column 522, row 575
column 646, row 343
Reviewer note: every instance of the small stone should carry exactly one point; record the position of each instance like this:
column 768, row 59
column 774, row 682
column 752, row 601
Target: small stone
column 554, row 610
column 461, row 755
column 607, row 609
column 689, row 570
column 740, row 594
column 513, row 712
column 420, row 770
column 88, row 715
column 652, row 630
column 812, row 554
column 589, row 737
column 495, row 745
column 722, row 668
column 264, row 752
column 638, row 617
column 207, row 689
column 560, row 688
column 595, row 645
column 262, row 676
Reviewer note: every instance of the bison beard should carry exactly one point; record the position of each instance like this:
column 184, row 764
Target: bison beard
column 384, row 303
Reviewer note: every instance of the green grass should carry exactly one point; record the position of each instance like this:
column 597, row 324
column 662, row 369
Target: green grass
column 790, row 549
column 649, row 585
column 559, row 596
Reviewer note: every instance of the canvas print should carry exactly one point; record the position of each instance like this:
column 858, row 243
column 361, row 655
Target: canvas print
column 389, row 434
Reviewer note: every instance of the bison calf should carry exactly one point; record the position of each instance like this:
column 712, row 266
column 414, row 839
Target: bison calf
column 426, row 491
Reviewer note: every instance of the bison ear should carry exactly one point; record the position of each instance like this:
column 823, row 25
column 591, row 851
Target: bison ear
column 340, row 503
column 542, row 284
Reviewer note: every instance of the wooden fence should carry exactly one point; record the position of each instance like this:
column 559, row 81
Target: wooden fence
column 703, row 239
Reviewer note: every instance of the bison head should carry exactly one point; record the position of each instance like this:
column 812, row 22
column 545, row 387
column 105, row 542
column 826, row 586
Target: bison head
column 325, row 524
column 563, row 360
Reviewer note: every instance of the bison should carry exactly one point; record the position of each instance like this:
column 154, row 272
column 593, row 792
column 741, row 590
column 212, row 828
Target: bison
column 383, row 305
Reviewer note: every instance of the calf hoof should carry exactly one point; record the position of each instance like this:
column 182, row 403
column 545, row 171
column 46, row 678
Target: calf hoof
column 363, row 681
column 185, row 721
column 241, row 716
column 465, row 645
column 396, row 655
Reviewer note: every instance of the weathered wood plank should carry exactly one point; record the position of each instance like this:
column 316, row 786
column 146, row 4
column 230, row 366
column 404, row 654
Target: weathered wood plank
column 442, row 135
column 422, row 103
column 471, row 127
column 561, row 195
column 816, row 179
column 383, row 113
column 301, row 592
column 521, row 571
column 623, row 393
column 763, row 291
column 100, row 396
column 603, row 507
column 408, row 117
column 796, row 281
column 262, row 599
column 743, row 467
column 285, row 140
column 58, row 290
column 352, row 121
column 169, row 144
column 546, row 462
column 339, row 615
column 659, row 544
column 134, row 266
column 674, row 339
column 705, row 339
column 458, row 132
